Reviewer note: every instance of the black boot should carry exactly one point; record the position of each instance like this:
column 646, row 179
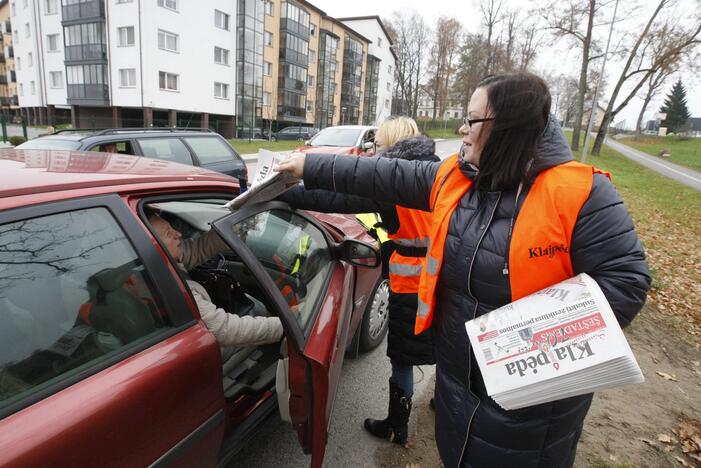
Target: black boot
column 395, row 427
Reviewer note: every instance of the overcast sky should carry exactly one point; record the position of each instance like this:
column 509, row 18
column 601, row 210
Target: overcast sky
column 560, row 58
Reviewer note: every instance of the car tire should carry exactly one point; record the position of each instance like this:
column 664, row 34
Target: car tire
column 376, row 317
column 273, row 138
column 300, row 139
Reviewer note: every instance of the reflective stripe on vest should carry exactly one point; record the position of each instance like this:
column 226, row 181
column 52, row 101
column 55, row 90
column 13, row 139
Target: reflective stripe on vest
column 539, row 252
column 405, row 271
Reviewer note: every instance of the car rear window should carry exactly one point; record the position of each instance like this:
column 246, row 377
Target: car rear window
column 167, row 149
column 210, row 150
column 336, row 137
column 50, row 144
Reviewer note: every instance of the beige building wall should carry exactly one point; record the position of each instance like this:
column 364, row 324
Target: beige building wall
column 271, row 55
column 8, row 89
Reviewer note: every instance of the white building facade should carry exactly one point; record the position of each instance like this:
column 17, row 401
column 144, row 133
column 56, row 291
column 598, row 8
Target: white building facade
column 380, row 69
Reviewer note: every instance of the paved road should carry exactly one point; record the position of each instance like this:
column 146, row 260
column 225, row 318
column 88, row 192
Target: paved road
column 680, row 174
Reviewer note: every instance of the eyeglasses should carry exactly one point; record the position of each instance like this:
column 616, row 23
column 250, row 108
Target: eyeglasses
column 469, row 122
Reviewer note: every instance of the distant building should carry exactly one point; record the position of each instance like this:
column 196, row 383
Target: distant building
column 425, row 109
column 694, row 127
column 9, row 104
column 598, row 117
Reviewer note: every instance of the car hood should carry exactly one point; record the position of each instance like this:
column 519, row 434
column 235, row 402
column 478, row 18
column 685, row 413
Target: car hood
column 327, row 149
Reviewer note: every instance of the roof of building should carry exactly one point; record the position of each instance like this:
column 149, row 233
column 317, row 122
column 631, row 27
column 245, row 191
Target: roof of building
column 384, row 30
column 332, row 19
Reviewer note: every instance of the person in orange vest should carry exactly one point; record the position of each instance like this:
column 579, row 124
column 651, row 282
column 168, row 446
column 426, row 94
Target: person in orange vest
column 512, row 213
column 397, row 138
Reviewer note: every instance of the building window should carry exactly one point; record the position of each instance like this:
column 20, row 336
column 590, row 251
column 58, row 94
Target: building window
column 312, row 29
column 268, row 40
column 24, row 3
column 312, row 56
column 268, row 8
column 221, row 56
column 389, row 69
column 56, row 79
column 30, row 60
column 14, row 9
column 126, row 36
column 26, row 30
column 167, row 41
column 168, row 81
column 310, row 81
column 21, row 89
column 169, row 4
column 310, row 106
column 19, row 63
column 52, row 42
column 267, row 68
column 379, row 42
column 221, row 20
column 50, row 7
column 266, row 98
column 386, row 103
column 221, row 90
column 389, row 86
column 127, row 77
column 32, row 88
column 129, row 1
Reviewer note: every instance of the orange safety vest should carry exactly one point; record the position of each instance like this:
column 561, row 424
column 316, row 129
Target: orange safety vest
column 539, row 252
column 413, row 232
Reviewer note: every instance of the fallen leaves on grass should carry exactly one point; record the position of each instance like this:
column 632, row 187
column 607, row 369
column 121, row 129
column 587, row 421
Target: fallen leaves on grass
column 667, row 376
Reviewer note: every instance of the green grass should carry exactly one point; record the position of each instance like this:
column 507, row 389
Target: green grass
column 440, row 133
column 244, row 147
column 683, row 152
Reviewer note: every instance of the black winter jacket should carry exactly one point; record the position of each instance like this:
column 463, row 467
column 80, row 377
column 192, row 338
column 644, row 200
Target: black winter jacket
column 471, row 429
column 402, row 345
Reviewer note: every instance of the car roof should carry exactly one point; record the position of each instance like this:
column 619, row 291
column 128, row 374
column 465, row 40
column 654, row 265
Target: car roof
column 359, row 127
column 81, row 134
column 30, row 172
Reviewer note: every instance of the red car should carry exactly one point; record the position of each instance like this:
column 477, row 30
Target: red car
column 104, row 359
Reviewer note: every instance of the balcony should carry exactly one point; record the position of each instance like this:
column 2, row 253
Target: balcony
column 2, row 58
column 292, row 56
column 86, row 52
column 295, row 28
column 13, row 76
column 3, row 80
column 83, row 11
column 10, row 52
column 291, row 113
column 88, row 94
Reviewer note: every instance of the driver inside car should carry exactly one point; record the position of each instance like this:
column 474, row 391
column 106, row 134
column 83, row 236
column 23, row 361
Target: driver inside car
column 229, row 329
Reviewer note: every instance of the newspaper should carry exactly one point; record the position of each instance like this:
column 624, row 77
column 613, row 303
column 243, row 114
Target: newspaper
column 267, row 184
column 558, row 342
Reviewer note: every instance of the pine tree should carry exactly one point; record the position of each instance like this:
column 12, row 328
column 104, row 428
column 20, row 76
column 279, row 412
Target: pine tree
column 675, row 108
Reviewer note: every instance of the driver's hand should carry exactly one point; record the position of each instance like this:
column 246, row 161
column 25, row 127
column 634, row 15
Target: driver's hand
column 294, row 164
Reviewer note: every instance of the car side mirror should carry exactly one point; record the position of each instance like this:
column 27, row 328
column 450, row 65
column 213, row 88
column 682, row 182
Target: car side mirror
column 357, row 253
column 368, row 145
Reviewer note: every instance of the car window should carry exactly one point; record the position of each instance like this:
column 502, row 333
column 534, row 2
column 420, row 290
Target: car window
column 121, row 147
column 295, row 254
column 333, row 136
column 50, row 143
column 210, row 150
column 73, row 294
column 167, row 149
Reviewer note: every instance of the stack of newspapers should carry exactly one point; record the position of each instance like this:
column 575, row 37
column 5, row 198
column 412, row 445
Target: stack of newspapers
column 559, row 342
column 266, row 184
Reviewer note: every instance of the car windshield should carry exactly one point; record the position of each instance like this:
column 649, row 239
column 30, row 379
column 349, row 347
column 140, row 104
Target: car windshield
column 50, row 144
column 337, row 137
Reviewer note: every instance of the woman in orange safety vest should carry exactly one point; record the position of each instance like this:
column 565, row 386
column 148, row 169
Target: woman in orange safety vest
column 512, row 213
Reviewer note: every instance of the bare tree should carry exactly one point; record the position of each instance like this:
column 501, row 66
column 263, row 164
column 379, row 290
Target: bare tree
column 660, row 45
column 444, row 52
column 411, row 36
column 531, row 40
column 491, row 16
column 575, row 20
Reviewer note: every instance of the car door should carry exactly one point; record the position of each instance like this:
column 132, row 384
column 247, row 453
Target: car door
column 101, row 360
column 292, row 257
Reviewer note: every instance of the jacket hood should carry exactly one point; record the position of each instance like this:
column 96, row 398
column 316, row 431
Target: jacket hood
column 411, row 148
column 552, row 150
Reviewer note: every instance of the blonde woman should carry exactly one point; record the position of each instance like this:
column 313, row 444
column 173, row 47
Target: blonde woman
column 408, row 232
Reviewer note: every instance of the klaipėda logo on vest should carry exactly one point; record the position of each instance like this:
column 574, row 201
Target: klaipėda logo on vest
column 549, row 251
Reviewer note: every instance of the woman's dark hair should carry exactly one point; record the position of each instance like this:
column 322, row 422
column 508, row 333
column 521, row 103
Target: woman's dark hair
column 520, row 105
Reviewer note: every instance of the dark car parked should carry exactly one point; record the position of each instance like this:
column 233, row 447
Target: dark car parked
column 104, row 358
column 194, row 147
column 295, row 133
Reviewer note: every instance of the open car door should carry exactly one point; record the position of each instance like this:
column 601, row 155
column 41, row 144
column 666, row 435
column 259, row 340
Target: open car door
column 295, row 263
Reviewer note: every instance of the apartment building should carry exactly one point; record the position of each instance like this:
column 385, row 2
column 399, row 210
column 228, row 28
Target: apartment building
column 234, row 65
column 9, row 103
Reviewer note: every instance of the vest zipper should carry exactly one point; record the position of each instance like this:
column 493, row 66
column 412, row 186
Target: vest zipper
column 474, row 314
